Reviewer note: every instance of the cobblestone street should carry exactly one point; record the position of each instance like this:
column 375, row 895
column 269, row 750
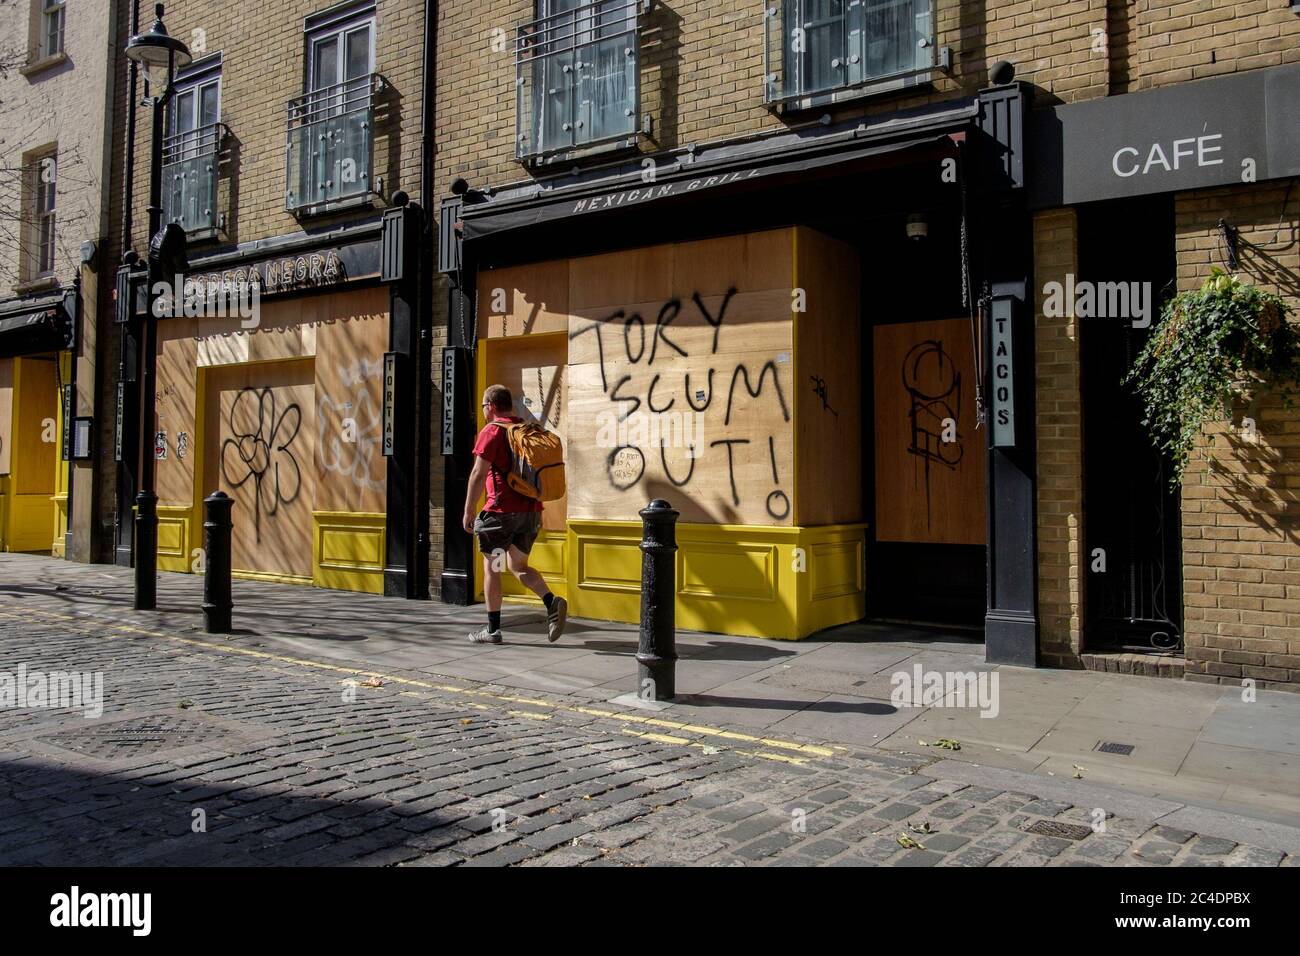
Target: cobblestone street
column 213, row 751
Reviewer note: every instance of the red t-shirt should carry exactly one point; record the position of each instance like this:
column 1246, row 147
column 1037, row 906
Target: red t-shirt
column 493, row 446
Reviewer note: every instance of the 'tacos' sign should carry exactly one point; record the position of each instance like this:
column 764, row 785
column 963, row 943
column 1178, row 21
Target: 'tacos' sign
column 1228, row 130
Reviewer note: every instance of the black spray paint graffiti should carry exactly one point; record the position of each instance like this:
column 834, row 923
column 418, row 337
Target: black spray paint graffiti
column 626, row 464
column 264, row 454
column 932, row 408
column 822, row 392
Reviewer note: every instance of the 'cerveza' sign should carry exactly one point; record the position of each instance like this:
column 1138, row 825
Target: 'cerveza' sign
column 284, row 274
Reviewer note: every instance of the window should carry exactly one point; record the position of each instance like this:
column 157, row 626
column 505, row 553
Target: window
column 41, row 190
column 341, row 56
column 191, row 151
column 577, row 76
column 825, row 46
column 330, row 126
column 51, row 28
column 195, row 107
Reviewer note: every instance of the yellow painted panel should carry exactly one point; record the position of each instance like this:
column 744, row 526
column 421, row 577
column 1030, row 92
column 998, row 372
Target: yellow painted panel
column 549, row 558
column 732, row 579
column 348, row 551
column 30, row 519
column 727, row 570
column 352, row 547
column 609, row 563
column 836, row 568
column 171, row 537
column 59, row 545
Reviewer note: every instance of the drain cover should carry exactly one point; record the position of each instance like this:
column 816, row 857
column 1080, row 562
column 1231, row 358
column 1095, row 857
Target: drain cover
column 1111, row 747
column 138, row 736
column 1054, row 828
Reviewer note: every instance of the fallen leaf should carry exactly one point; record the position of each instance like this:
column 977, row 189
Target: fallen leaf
column 920, row 827
column 906, row 841
column 465, row 720
column 185, row 704
column 944, row 743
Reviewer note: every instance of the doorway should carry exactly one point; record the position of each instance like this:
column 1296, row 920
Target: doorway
column 923, row 454
column 1131, row 513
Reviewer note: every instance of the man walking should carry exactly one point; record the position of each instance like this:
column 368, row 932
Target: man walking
column 509, row 522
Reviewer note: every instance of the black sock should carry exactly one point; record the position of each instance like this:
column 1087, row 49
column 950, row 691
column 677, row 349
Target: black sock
column 548, row 598
column 494, row 620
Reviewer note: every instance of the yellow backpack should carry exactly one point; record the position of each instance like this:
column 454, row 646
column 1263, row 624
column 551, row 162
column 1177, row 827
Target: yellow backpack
column 536, row 461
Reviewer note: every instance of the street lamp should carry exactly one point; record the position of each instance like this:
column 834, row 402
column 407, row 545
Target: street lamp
column 159, row 55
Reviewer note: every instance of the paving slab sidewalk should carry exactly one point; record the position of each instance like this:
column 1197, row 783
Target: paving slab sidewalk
column 1191, row 743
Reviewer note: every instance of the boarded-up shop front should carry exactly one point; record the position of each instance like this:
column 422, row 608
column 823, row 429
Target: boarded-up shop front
column 285, row 418
column 721, row 375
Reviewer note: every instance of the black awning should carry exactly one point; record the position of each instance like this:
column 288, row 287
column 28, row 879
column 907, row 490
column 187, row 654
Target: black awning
column 38, row 324
column 718, row 169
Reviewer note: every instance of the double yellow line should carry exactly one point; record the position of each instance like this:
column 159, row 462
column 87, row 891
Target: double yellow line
column 767, row 748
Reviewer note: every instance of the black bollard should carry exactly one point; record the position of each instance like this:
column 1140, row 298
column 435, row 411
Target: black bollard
column 656, row 656
column 146, row 550
column 216, row 562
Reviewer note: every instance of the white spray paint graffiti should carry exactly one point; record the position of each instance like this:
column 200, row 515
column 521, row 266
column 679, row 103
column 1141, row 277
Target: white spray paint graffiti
column 347, row 458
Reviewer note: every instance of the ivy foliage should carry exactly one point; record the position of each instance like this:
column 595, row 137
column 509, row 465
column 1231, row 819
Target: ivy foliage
column 1217, row 344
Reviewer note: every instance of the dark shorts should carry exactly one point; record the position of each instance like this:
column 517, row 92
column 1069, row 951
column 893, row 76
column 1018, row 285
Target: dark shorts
column 501, row 529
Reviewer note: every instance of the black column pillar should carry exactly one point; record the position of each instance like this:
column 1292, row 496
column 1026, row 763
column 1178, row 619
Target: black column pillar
column 1001, row 222
column 459, row 407
column 127, row 411
column 403, row 420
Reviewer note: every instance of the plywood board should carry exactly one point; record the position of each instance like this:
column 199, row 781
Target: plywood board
column 928, row 489
column 175, row 410
column 351, row 469
column 828, row 344
column 6, row 413
column 711, row 431
column 524, row 300
column 37, row 401
column 534, row 369
column 261, row 445
column 680, row 375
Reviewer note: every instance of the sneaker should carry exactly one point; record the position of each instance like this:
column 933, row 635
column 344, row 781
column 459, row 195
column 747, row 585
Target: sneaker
column 555, row 618
column 486, row 637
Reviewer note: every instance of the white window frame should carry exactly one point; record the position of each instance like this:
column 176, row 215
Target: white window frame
column 338, row 32
column 42, row 205
column 52, row 11
column 196, row 89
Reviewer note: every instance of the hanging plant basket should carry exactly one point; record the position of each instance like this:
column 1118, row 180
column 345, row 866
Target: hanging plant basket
column 1215, row 347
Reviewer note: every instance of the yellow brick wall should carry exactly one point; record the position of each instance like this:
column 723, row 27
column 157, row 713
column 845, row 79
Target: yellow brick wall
column 1060, row 443
column 1241, row 534
column 262, row 69
column 701, row 77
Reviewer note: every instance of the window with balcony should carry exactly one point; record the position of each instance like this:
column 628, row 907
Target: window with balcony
column 191, row 155
column 824, row 50
column 576, row 75
column 331, row 126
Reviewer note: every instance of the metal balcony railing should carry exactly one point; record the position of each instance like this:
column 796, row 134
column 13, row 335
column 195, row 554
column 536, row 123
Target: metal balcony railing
column 190, row 161
column 577, row 78
column 819, row 48
column 329, row 156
